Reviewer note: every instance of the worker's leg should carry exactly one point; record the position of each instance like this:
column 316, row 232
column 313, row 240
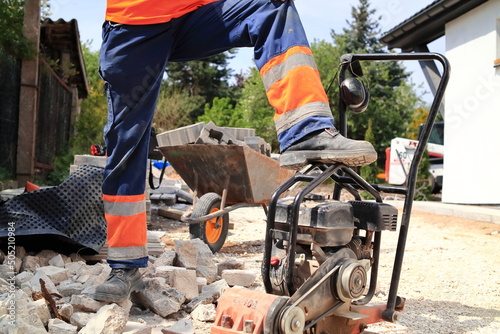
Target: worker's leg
column 132, row 62
column 287, row 68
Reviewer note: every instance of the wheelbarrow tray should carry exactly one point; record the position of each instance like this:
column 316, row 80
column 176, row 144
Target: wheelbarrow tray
column 248, row 176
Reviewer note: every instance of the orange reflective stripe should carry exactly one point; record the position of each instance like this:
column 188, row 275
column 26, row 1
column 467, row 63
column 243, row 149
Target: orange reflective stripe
column 282, row 58
column 127, row 231
column 149, row 11
column 300, row 86
column 124, row 198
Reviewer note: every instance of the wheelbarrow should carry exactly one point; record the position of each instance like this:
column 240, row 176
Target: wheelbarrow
column 223, row 178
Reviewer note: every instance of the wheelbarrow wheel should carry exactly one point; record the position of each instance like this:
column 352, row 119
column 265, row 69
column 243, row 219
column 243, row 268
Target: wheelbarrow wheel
column 214, row 231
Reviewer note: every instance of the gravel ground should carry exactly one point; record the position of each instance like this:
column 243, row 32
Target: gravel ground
column 450, row 277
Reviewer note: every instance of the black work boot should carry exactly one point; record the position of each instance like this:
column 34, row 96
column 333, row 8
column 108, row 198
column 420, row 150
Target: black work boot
column 119, row 285
column 328, row 146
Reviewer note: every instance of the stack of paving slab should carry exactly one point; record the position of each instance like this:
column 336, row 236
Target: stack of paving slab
column 202, row 133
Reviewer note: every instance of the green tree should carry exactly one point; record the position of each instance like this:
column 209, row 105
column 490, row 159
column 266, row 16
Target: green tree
column 12, row 40
column 393, row 99
column 254, row 107
column 223, row 113
column 370, row 172
column 173, row 108
column 206, row 78
column 90, row 123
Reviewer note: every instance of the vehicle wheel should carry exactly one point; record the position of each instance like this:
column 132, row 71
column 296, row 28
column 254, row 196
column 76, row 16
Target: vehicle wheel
column 214, row 231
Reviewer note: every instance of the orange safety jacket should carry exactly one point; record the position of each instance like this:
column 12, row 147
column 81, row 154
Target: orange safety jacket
column 149, row 11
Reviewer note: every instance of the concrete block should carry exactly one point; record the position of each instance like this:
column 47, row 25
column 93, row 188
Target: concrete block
column 230, row 264
column 240, row 133
column 87, row 159
column 257, row 144
column 239, row 277
column 181, row 136
column 214, row 135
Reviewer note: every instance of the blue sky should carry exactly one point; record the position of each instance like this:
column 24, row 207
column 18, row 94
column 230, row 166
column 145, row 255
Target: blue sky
column 318, row 16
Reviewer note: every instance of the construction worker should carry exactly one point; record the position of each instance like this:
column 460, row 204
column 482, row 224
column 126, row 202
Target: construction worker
column 139, row 38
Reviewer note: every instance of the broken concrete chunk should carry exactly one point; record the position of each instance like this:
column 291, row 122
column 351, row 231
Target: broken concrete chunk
column 57, row 326
column 185, row 281
column 134, row 327
column 204, row 312
column 166, row 258
column 34, row 283
column 208, row 295
column 183, row 326
column 30, row 263
column 56, row 274
column 109, row 319
column 195, row 254
column 23, row 277
column 25, row 321
column 201, row 281
column 57, row 261
column 45, row 256
column 65, row 310
column 40, row 308
column 69, row 288
column 80, row 319
column 83, row 303
column 167, row 272
column 159, row 298
column 74, row 268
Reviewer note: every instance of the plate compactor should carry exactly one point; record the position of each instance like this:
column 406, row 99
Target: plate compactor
column 321, row 256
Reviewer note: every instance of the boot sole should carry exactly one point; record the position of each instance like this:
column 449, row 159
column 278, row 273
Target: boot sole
column 298, row 159
column 112, row 298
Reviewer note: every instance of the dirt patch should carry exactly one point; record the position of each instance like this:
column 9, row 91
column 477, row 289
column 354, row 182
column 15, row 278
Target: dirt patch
column 450, row 277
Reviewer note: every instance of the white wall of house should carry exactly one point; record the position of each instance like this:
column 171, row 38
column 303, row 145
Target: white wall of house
column 472, row 108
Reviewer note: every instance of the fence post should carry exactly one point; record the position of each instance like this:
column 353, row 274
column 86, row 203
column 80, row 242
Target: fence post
column 28, row 96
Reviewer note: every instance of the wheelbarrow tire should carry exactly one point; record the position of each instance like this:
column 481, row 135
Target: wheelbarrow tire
column 214, row 231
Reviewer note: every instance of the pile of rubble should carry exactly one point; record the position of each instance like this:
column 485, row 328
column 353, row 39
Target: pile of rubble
column 51, row 293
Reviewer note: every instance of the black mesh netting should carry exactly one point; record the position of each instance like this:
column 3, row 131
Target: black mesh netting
column 67, row 218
